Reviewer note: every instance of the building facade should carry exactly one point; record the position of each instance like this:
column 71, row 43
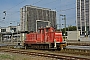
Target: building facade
column 30, row 14
column 9, row 28
column 83, row 16
column 6, row 33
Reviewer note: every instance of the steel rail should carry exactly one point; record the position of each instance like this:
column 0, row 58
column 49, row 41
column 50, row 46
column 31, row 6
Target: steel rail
column 57, row 56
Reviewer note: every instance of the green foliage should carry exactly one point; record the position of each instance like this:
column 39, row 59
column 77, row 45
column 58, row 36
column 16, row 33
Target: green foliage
column 69, row 28
column 5, row 56
column 72, row 28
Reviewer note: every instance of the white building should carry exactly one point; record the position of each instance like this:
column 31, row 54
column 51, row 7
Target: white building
column 83, row 16
column 29, row 14
column 9, row 29
column 6, row 33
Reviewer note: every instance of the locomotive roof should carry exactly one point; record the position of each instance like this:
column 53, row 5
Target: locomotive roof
column 44, row 28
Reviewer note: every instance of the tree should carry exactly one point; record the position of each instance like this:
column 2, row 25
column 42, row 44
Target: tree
column 72, row 28
column 69, row 28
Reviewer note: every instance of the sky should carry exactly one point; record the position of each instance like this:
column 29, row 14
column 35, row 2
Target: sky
column 12, row 8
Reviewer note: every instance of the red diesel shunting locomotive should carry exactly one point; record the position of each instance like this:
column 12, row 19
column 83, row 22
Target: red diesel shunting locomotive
column 45, row 38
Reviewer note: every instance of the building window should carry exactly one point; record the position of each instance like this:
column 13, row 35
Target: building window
column 3, row 30
column 13, row 29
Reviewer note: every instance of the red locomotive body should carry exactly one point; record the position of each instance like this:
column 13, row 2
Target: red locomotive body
column 45, row 38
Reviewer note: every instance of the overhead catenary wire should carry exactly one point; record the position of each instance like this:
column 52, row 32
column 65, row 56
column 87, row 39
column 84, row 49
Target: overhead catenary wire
column 60, row 10
column 50, row 2
column 57, row 11
column 20, row 3
column 12, row 8
column 34, row 3
column 66, row 5
column 37, row 2
column 68, row 9
column 16, row 5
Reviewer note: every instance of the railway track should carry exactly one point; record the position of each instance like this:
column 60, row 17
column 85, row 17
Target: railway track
column 79, row 44
column 50, row 55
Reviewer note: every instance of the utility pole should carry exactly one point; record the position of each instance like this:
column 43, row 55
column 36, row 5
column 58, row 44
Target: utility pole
column 64, row 21
column 12, row 31
column 60, row 23
column 17, row 32
column 64, row 18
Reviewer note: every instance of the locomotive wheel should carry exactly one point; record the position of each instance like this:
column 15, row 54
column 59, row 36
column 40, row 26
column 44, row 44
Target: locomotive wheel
column 46, row 47
column 37, row 46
